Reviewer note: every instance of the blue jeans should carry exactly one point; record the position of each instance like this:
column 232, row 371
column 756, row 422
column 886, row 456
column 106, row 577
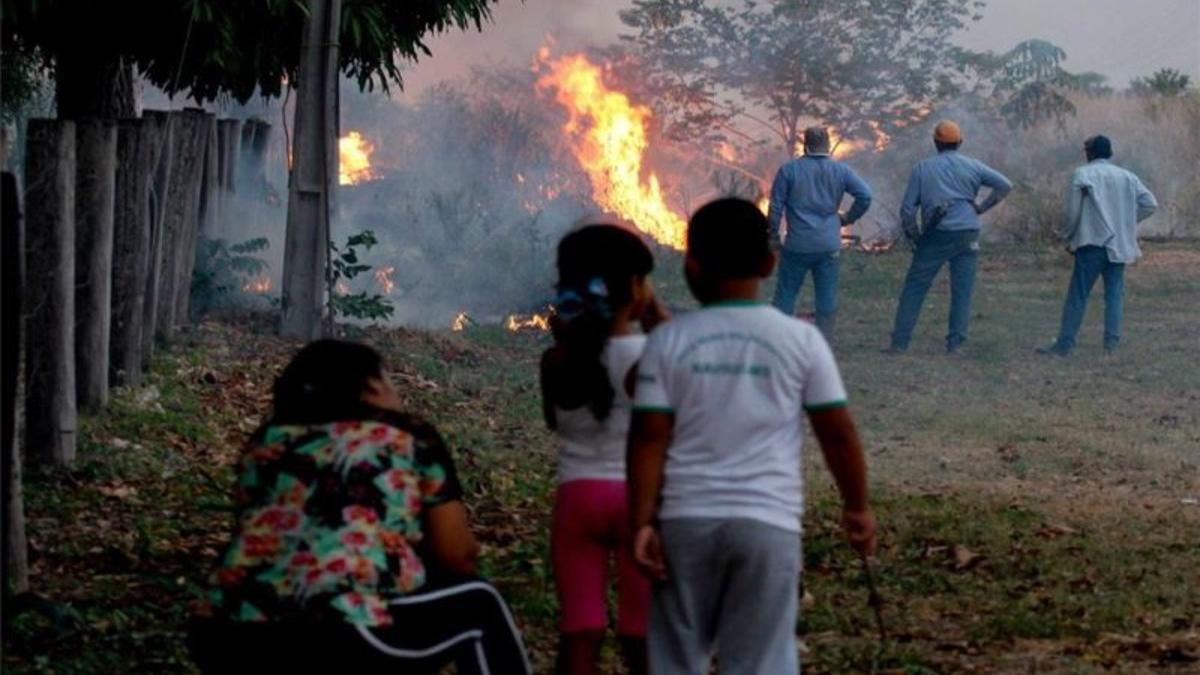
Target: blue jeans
column 936, row 248
column 1092, row 262
column 793, row 267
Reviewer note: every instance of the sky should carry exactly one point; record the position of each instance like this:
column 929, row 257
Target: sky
column 1121, row 39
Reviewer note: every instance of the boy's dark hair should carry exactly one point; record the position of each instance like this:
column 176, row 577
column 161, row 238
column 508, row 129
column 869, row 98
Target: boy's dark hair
column 1098, row 147
column 942, row 146
column 728, row 237
column 597, row 265
column 324, row 382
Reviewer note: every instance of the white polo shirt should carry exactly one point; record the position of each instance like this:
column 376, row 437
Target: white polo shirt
column 738, row 377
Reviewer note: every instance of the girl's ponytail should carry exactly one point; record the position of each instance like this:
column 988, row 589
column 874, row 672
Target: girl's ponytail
column 597, row 267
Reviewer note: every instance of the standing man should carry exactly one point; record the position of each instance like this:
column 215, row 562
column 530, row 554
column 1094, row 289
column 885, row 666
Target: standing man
column 810, row 190
column 942, row 190
column 1105, row 203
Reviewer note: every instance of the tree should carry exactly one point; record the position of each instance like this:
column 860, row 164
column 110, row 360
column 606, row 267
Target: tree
column 1165, row 82
column 1032, row 85
column 210, row 48
column 731, row 71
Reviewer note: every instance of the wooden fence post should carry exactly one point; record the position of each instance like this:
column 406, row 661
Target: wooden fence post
column 203, row 213
column 162, row 126
column 50, row 411
column 14, row 549
column 137, row 156
column 183, row 193
column 95, row 177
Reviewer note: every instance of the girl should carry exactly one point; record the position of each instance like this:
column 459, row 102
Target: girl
column 587, row 379
column 351, row 547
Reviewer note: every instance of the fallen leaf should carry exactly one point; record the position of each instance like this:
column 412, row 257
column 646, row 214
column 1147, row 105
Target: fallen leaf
column 117, row 491
column 965, row 559
column 1054, row 531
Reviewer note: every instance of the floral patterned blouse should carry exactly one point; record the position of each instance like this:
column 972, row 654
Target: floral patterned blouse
column 329, row 520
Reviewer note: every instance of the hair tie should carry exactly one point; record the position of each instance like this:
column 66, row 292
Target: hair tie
column 592, row 298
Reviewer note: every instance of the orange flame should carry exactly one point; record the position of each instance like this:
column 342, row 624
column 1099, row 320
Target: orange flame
column 354, row 159
column 608, row 134
column 539, row 322
column 460, row 323
column 258, row 286
column 727, row 152
column 842, row 147
column 383, row 277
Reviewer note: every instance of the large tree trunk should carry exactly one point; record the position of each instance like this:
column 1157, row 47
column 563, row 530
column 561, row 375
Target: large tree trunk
column 183, row 193
column 163, row 126
column 314, row 174
column 50, row 413
column 138, row 147
column 14, row 554
column 96, row 157
column 91, row 85
column 205, row 212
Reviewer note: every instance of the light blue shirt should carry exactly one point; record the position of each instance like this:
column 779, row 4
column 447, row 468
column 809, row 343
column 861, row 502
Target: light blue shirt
column 810, row 190
column 952, row 179
column 1104, row 205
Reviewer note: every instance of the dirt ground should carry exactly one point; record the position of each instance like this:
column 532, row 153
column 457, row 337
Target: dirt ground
column 1038, row 514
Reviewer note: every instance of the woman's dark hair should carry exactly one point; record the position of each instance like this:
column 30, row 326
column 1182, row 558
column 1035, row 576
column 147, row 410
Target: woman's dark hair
column 597, row 266
column 324, row 382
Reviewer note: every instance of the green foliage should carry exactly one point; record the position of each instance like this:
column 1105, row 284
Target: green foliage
column 25, row 81
column 867, row 67
column 223, row 270
column 1033, row 86
column 1165, row 82
column 233, row 47
column 346, row 266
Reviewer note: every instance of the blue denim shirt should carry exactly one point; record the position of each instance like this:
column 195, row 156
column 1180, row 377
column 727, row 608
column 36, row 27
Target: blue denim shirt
column 952, row 179
column 810, row 189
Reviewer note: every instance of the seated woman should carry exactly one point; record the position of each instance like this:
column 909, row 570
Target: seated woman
column 351, row 546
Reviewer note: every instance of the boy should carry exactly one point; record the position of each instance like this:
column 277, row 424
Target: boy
column 714, row 458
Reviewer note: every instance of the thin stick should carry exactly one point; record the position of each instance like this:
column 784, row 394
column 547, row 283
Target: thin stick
column 873, row 597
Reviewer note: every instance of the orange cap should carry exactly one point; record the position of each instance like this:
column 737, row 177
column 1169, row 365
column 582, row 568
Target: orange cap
column 947, row 131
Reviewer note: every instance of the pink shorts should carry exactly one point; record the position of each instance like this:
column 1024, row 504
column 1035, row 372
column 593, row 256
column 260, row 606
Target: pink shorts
column 591, row 527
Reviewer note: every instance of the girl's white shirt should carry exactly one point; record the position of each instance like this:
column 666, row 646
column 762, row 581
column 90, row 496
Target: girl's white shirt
column 595, row 449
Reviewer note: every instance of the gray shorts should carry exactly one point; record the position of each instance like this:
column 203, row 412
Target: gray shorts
column 732, row 589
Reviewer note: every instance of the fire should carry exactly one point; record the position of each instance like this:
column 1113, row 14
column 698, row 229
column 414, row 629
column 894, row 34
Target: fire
column 258, row 286
column 842, row 147
column 383, row 277
column 354, row 159
column 460, row 323
column 727, row 152
column 608, row 134
column 882, row 139
column 539, row 322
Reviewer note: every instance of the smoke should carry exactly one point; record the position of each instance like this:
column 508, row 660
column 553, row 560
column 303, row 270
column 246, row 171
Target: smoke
column 473, row 192
column 474, row 181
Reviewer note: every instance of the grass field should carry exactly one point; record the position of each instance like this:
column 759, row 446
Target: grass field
column 1038, row 514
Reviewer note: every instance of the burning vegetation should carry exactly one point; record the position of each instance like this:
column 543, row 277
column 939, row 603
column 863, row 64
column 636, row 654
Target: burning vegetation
column 354, row 159
column 532, row 322
column 608, row 134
